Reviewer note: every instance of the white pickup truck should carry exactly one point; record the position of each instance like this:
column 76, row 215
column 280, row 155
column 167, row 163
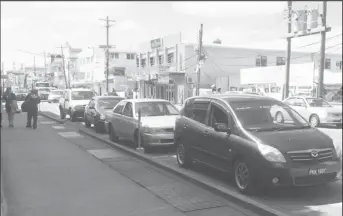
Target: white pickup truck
column 73, row 102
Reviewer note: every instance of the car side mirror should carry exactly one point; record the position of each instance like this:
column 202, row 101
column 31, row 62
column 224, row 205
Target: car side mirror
column 222, row 127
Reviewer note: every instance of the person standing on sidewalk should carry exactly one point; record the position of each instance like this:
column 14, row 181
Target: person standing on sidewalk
column 32, row 100
column 11, row 105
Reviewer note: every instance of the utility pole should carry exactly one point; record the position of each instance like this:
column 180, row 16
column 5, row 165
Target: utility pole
column 320, row 92
column 34, row 70
column 200, row 56
column 64, row 71
column 289, row 47
column 107, row 20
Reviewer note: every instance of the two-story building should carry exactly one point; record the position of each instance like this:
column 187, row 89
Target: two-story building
column 167, row 65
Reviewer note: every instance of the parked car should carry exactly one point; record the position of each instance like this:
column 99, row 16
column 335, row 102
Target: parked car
column 43, row 92
column 21, row 95
column 55, row 96
column 237, row 134
column 315, row 110
column 157, row 122
column 73, row 102
column 96, row 108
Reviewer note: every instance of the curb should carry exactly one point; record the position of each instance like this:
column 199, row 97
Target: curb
column 51, row 116
column 237, row 198
column 3, row 201
column 250, row 204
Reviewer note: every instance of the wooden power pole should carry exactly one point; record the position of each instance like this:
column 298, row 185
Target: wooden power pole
column 320, row 92
column 107, row 47
column 289, row 47
column 64, row 71
column 200, row 57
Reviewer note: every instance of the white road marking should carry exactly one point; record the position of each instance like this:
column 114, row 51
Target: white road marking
column 104, row 153
column 69, row 134
column 58, row 127
column 164, row 156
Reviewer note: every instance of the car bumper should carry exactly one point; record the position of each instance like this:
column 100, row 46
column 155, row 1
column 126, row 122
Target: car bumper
column 331, row 120
column 164, row 139
column 298, row 175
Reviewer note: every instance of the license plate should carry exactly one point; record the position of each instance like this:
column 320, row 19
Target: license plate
column 317, row 171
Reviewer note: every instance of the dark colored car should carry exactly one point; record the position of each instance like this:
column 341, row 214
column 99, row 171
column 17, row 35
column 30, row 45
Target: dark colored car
column 237, row 134
column 95, row 111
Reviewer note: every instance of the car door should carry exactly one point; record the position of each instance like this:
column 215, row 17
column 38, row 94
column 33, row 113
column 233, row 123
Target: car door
column 196, row 127
column 128, row 122
column 217, row 145
column 117, row 117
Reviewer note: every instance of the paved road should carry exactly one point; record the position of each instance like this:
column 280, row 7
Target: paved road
column 325, row 200
column 56, row 171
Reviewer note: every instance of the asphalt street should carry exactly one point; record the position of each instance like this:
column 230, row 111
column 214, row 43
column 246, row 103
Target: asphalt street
column 54, row 170
column 323, row 200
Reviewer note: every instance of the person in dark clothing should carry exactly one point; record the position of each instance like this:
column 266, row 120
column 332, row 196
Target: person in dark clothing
column 114, row 93
column 32, row 100
column 10, row 105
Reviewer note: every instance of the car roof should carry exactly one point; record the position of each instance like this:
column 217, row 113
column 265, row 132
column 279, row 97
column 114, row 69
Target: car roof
column 108, row 97
column 145, row 100
column 79, row 89
column 236, row 97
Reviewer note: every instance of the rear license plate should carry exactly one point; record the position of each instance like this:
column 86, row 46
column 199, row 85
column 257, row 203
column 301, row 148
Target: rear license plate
column 316, row 171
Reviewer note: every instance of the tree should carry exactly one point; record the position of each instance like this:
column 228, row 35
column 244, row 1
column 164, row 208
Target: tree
column 217, row 41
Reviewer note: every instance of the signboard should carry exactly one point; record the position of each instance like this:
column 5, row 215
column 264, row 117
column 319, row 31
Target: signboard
column 156, row 43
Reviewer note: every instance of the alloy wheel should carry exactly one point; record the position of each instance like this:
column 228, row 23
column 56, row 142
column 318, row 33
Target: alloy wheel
column 181, row 154
column 242, row 176
column 314, row 121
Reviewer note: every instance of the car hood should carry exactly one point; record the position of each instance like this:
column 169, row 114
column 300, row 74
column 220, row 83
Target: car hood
column 79, row 102
column 159, row 121
column 295, row 140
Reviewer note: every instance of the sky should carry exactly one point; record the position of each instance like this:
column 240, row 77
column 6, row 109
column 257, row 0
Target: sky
column 36, row 27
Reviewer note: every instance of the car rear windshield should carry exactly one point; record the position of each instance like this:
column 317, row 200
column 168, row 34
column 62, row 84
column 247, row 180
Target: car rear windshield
column 156, row 108
column 108, row 103
column 262, row 115
column 82, row 95
column 44, row 89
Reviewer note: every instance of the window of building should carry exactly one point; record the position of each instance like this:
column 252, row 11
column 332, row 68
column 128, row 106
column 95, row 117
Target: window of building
column 128, row 56
column 112, row 55
column 152, row 61
column 280, row 60
column 143, row 62
column 160, row 59
column 137, row 61
column 170, row 58
column 339, row 64
column 132, row 56
column 327, row 63
column 116, row 55
column 261, row 61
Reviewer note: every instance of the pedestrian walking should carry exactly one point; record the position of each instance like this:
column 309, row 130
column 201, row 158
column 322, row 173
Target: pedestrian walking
column 11, row 105
column 32, row 100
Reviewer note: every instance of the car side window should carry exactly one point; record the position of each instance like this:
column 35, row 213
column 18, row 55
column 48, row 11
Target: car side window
column 119, row 108
column 187, row 110
column 199, row 111
column 128, row 110
column 217, row 115
column 299, row 102
column 290, row 101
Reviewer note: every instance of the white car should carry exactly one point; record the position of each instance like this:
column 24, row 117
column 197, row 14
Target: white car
column 55, row 96
column 315, row 110
column 157, row 122
column 73, row 102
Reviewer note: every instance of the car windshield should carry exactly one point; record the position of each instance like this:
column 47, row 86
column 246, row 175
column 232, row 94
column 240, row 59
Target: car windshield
column 267, row 115
column 108, row 103
column 156, row 108
column 317, row 102
column 42, row 84
column 57, row 92
column 44, row 90
column 82, row 95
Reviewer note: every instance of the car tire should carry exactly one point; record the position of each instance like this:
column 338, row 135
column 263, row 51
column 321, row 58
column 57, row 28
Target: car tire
column 245, row 183
column 62, row 114
column 182, row 156
column 99, row 128
column 314, row 120
column 87, row 123
column 279, row 117
column 112, row 134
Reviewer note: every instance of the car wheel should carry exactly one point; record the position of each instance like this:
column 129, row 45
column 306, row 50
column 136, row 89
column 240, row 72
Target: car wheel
column 314, row 120
column 62, row 114
column 243, row 177
column 182, row 156
column 112, row 134
column 87, row 123
column 99, row 128
column 279, row 118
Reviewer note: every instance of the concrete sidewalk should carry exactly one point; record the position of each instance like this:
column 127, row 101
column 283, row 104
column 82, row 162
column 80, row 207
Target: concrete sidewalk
column 44, row 174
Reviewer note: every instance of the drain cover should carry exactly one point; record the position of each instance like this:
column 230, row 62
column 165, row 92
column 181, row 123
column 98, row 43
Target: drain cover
column 58, row 127
column 69, row 134
column 104, row 153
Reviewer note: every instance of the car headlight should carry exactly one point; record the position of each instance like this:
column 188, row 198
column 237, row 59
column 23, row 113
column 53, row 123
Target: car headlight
column 271, row 154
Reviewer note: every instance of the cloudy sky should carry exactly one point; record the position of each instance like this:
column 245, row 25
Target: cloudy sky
column 36, row 27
